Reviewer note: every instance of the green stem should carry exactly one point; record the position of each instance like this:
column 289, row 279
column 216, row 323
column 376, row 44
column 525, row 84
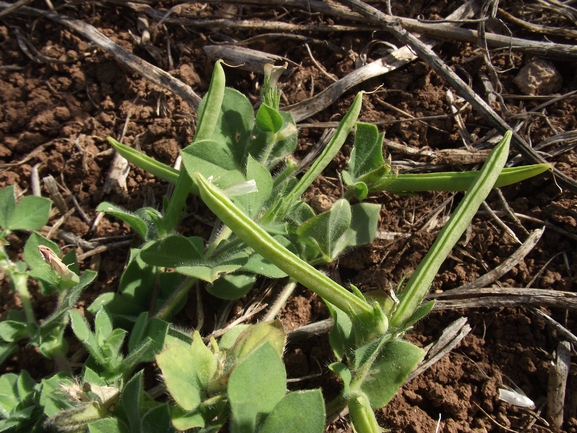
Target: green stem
column 362, row 415
column 290, row 167
column 19, row 282
column 418, row 285
column 175, row 298
column 334, row 145
column 265, row 245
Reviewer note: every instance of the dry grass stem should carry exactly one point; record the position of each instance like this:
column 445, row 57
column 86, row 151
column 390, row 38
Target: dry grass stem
column 557, row 327
column 557, row 386
column 449, row 339
column 491, row 297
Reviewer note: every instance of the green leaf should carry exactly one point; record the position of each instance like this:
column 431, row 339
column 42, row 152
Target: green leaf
column 103, row 325
column 16, row 392
column 297, row 412
column 92, row 377
column 51, row 399
column 12, row 331
column 137, row 281
column 184, row 420
column 131, row 400
column 83, row 332
column 213, row 159
column 344, row 373
column 205, row 363
column 7, row 206
column 138, row 224
column 364, row 223
column 255, row 336
column 49, row 279
column 158, row 420
column 232, row 286
column 268, row 119
column 108, row 425
column 124, row 310
column 33, row 257
column 234, row 125
column 255, row 387
column 253, row 202
column 358, row 189
column 341, row 336
column 210, row 270
column 172, row 251
column 367, row 153
column 327, row 229
column 229, row 338
column 111, row 348
column 270, row 148
column 187, row 372
column 31, row 213
column 257, row 264
column 421, row 312
column 389, row 371
column 6, row 349
column 153, row 331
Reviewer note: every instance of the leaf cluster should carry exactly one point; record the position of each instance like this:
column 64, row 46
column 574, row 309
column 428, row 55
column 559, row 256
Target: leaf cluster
column 240, row 165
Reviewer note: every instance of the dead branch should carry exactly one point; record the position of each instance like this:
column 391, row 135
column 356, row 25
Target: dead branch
column 557, row 386
column 246, row 58
column 491, row 297
column 545, row 30
column 446, row 32
column 507, row 265
column 449, row 339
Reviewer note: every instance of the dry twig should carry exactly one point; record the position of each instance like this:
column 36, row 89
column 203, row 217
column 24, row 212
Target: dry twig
column 556, row 389
column 491, row 297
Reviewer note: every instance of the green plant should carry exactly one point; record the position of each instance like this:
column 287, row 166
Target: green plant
column 42, row 263
column 268, row 230
column 240, row 165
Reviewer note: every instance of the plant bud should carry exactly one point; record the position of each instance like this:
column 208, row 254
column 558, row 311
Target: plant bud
column 256, row 336
column 56, row 264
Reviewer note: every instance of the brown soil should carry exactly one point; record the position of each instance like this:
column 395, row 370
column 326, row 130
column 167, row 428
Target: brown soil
column 58, row 110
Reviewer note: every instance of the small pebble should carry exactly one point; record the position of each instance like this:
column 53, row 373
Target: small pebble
column 538, row 78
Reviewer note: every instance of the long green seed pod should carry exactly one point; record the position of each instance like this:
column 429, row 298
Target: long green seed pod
column 418, row 285
column 265, row 245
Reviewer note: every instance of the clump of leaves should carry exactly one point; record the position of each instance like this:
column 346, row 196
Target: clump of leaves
column 240, row 165
column 42, row 263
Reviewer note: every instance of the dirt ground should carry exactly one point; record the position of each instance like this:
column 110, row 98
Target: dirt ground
column 62, row 96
